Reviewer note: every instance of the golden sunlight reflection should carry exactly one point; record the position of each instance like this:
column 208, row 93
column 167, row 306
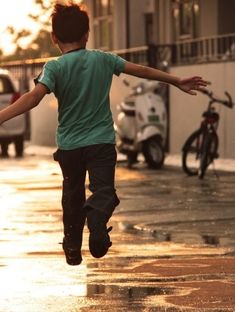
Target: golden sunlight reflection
column 9, row 202
column 127, row 174
column 62, row 284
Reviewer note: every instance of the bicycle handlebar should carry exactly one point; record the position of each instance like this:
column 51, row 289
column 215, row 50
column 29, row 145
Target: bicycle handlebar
column 229, row 99
column 228, row 103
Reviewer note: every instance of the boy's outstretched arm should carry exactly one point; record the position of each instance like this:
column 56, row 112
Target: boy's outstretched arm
column 26, row 102
column 188, row 85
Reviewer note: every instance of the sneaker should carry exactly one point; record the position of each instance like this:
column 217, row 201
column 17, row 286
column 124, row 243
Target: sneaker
column 99, row 240
column 72, row 253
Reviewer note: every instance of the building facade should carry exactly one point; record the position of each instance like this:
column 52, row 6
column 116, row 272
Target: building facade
column 186, row 37
column 201, row 36
column 122, row 24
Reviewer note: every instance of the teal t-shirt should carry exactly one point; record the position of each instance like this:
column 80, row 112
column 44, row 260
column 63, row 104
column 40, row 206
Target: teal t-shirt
column 81, row 82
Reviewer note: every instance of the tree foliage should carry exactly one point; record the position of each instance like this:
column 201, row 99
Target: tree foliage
column 38, row 45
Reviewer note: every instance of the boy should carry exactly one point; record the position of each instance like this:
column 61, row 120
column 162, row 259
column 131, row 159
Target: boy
column 81, row 80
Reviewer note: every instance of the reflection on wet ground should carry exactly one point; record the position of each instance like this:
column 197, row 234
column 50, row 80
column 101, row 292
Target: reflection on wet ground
column 173, row 242
column 182, row 209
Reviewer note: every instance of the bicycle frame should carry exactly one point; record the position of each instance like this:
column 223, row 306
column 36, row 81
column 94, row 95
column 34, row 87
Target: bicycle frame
column 210, row 122
column 211, row 118
column 203, row 143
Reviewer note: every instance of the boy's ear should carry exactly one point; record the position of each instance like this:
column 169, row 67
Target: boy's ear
column 87, row 36
column 54, row 38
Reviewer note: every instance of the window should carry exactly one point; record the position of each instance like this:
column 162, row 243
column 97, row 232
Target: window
column 103, row 24
column 185, row 18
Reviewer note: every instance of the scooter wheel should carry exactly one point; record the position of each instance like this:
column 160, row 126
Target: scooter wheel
column 153, row 152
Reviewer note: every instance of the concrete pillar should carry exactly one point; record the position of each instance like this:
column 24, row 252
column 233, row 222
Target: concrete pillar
column 165, row 21
column 208, row 16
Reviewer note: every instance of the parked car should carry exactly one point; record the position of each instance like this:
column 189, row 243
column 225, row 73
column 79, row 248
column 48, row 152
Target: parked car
column 11, row 131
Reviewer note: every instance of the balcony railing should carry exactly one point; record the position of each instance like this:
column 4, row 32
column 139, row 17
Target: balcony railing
column 151, row 55
column 202, row 50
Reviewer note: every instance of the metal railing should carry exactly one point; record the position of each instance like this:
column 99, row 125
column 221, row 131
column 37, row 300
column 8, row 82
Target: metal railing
column 196, row 51
column 207, row 49
column 25, row 70
column 136, row 55
column 151, row 55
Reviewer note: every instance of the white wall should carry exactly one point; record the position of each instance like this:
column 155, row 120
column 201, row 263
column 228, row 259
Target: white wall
column 186, row 110
column 43, row 120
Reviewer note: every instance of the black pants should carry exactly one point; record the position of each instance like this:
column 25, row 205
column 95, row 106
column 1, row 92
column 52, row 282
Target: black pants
column 99, row 161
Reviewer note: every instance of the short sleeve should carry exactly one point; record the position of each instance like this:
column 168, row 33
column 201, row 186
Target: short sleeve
column 118, row 63
column 48, row 75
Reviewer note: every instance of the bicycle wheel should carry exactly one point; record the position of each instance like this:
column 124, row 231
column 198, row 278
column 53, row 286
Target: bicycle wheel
column 191, row 153
column 209, row 152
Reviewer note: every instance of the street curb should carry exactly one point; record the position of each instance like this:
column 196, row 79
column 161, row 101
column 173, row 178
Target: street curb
column 220, row 164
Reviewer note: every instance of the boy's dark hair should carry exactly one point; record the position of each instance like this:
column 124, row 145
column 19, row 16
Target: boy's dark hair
column 69, row 22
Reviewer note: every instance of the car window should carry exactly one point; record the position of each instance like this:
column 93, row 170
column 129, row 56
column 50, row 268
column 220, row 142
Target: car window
column 5, row 85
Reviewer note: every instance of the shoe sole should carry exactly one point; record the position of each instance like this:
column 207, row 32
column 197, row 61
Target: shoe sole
column 72, row 260
column 99, row 245
column 99, row 240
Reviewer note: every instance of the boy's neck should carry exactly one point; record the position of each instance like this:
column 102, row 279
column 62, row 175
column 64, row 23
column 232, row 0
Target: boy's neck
column 67, row 47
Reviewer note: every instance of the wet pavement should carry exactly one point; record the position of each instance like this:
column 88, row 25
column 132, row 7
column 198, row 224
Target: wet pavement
column 173, row 242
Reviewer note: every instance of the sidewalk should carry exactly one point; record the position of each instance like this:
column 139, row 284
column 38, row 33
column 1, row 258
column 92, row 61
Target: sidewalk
column 220, row 163
column 173, row 241
column 171, row 159
column 175, row 160
column 174, row 206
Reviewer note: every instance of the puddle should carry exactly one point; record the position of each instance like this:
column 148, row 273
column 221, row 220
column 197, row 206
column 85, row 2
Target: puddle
column 129, row 292
column 125, row 298
column 211, row 240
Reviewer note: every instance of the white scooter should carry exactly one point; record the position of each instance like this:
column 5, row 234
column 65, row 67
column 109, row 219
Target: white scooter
column 141, row 125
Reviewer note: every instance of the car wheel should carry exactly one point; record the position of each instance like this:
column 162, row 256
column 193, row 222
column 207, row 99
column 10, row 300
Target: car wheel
column 19, row 145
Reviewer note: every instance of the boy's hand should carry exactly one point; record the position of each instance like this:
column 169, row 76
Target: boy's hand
column 196, row 83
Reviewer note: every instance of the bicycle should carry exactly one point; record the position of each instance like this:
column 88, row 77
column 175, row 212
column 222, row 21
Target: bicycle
column 201, row 147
